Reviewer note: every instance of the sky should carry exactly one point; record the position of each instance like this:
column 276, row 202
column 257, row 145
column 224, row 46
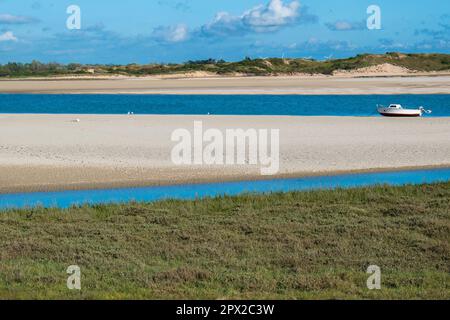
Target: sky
column 164, row 31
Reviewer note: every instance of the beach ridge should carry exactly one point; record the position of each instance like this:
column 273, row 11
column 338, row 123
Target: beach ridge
column 301, row 85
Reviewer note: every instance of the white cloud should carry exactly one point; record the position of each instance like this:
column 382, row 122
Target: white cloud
column 343, row 25
column 10, row 19
column 7, row 36
column 172, row 34
column 262, row 18
column 274, row 14
column 223, row 24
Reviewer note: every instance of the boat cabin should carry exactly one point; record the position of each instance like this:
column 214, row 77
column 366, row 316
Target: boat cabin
column 395, row 106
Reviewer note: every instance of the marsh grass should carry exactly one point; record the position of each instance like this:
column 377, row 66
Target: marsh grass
column 312, row 245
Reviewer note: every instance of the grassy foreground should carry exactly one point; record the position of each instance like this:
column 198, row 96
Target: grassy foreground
column 295, row 245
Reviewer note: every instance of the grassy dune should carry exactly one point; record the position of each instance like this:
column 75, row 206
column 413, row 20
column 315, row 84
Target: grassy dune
column 248, row 66
column 294, row 245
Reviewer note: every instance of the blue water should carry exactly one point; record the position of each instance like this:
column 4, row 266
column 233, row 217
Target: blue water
column 348, row 105
column 66, row 199
column 334, row 105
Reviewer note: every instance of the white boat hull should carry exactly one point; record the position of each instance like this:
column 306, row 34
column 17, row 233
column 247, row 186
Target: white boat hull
column 392, row 112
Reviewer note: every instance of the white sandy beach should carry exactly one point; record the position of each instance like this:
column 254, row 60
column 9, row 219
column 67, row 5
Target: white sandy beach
column 355, row 83
column 51, row 152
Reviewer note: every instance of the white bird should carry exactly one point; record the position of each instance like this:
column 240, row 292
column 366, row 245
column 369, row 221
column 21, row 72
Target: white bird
column 76, row 120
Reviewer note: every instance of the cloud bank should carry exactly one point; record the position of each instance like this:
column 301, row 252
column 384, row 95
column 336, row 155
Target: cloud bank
column 11, row 19
column 263, row 18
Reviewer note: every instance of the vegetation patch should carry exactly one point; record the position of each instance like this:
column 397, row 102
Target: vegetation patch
column 248, row 66
column 297, row 245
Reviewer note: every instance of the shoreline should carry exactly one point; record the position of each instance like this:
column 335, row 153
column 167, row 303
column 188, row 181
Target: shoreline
column 283, row 85
column 190, row 76
column 207, row 180
column 237, row 93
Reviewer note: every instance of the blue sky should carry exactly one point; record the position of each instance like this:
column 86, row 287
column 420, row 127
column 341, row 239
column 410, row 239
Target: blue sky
column 145, row 31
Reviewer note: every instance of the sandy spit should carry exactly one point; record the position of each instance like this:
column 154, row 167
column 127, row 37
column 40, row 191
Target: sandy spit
column 360, row 83
column 52, row 152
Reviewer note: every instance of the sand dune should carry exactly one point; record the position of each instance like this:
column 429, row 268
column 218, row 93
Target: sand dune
column 378, row 70
column 50, row 152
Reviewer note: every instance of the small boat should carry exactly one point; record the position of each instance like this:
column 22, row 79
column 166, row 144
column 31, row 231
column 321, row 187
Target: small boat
column 396, row 110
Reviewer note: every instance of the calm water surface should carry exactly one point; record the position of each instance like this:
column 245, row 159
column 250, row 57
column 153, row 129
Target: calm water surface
column 310, row 105
column 66, row 199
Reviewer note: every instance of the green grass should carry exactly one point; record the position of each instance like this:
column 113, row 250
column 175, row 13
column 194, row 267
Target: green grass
column 296, row 245
column 248, row 66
